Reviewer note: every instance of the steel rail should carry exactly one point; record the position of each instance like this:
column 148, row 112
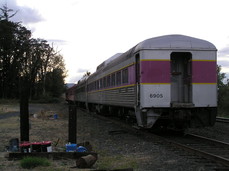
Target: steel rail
column 225, row 144
column 222, row 119
column 215, row 158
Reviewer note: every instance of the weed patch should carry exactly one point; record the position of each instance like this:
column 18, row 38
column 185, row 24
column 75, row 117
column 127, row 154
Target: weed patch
column 117, row 162
column 31, row 162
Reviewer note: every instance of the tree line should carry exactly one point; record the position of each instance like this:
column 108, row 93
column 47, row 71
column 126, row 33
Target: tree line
column 26, row 60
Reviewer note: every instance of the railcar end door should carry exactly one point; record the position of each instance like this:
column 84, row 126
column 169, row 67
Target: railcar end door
column 181, row 74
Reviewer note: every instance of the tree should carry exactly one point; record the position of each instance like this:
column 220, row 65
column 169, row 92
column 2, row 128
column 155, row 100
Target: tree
column 24, row 63
column 220, row 77
column 14, row 43
column 5, row 13
column 55, row 83
column 23, row 56
column 223, row 92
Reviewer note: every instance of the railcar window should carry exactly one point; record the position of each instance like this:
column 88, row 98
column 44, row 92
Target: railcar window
column 125, row 75
column 91, row 87
column 100, row 83
column 108, row 81
column 94, row 85
column 113, row 79
column 97, row 84
column 104, row 82
column 118, row 78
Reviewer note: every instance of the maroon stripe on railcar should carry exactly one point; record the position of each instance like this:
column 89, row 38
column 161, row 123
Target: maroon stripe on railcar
column 204, row 72
column 155, row 71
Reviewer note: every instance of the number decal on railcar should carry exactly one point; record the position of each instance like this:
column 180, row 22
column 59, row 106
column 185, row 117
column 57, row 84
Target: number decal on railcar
column 156, row 95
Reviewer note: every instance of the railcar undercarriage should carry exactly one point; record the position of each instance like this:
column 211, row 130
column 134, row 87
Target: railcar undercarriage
column 182, row 118
column 157, row 118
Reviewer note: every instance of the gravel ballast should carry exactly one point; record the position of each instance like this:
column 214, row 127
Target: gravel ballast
column 144, row 155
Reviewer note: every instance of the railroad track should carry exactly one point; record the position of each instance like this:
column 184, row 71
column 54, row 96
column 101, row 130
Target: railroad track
column 222, row 119
column 214, row 151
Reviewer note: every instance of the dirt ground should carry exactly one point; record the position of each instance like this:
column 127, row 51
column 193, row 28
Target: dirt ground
column 42, row 128
column 115, row 151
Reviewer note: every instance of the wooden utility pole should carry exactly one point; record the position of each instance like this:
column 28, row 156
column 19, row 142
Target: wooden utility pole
column 24, row 109
column 72, row 124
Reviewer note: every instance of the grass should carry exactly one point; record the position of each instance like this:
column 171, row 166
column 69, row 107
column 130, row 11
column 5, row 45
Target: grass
column 117, row 162
column 8, row 108
column 107, row 162
column 9, row 101
column 32, row 162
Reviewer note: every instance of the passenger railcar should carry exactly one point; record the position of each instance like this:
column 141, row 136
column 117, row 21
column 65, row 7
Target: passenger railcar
column 166, row 81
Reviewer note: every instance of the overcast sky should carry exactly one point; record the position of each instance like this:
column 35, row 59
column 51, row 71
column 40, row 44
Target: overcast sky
column 89, row 31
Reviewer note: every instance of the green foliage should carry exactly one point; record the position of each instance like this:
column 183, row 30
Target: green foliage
column 55, row 83
column 48, row 99
column 31, row 162
column 24, row 59
column 223, row 93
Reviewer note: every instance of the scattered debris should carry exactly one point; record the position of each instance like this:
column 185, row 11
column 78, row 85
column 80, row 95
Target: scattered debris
column 36, row 146
column 87, row 145
column 55, row 116
column 70, row 147
column 25, row 147
column 14, row 145
column 35, row 115
column 117, row 132
column 78, row 147
column 42, row 113
column 44, row 146
column 81, row 149
column 86, row 161
column 57, row 142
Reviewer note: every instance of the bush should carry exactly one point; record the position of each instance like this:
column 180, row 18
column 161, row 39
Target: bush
column 31, row 162
column 46, row 99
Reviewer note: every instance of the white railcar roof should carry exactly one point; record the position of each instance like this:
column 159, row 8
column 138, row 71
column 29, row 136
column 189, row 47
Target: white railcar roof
column 167, row 42
column 112, row 58
column 175, row 42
